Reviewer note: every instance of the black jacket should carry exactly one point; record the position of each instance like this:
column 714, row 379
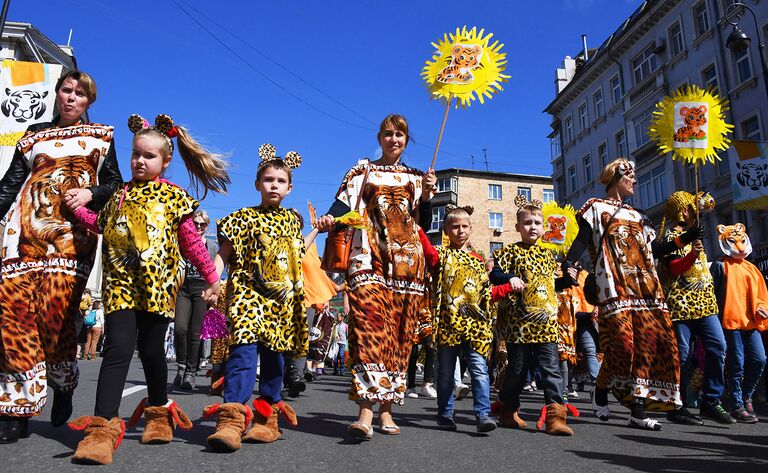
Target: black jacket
column 10, row 185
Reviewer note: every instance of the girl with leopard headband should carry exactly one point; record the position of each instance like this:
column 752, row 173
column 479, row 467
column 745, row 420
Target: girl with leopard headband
column 641, row 363
column 147, row 227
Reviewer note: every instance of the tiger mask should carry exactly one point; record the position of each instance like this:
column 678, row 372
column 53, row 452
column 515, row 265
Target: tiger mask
column 734, row 241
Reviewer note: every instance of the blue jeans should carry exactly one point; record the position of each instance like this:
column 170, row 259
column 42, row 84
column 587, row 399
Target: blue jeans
column 478, row 372
column 514, row 377
column 240, row 376
column 338, row 360
column 586, row 342
column 746, row 361
column 711, row 333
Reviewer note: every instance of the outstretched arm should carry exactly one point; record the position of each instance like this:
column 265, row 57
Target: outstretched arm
column 430, row 253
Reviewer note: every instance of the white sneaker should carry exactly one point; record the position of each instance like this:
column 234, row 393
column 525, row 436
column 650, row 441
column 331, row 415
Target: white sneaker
column 412, row 394
column 427, row 390
column 460, row 391
column 573, row 395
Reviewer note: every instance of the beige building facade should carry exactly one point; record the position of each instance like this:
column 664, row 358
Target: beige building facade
column 492, row 194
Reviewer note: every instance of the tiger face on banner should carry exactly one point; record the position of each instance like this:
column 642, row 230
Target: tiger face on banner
column 560, row 227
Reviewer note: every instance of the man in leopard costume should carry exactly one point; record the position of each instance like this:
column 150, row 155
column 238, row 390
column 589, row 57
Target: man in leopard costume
column 692, row 305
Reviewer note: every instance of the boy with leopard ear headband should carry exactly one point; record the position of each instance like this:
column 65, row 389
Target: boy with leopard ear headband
column 690, row 295
column 263, row 247
column 527, row 319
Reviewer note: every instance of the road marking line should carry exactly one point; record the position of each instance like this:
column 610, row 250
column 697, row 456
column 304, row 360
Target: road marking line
column 135, row 389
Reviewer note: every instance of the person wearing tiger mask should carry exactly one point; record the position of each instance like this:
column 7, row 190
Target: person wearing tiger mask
column 47, row 256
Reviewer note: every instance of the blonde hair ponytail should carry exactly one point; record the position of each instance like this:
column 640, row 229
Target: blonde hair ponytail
column 206, row 169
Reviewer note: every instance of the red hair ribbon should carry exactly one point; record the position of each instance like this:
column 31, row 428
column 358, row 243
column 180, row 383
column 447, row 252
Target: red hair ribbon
column 172, row 132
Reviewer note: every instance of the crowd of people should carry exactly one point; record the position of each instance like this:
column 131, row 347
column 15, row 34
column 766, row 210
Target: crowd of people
column 636, row 322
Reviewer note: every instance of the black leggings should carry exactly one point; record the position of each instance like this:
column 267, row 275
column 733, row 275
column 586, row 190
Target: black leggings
column 121, row 328
column 429, row 364
column 190, row 309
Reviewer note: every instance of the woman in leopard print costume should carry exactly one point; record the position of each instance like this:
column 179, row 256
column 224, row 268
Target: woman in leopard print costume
column 641, row 357
column 386, row 273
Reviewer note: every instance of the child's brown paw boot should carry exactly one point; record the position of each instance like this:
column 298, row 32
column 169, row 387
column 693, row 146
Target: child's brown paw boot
column 507, row 417
column 102, row 437
column 555, row 420
column 234, row 418
column 265, row 426
column 161, row 421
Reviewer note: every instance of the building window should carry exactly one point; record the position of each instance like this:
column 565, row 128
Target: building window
column 572, row 179
column 494, row 191
column 641, row 127
column 496, row 245
column 709, row 77
column 446, row 184
column 602, row 154
column 554, row 146
column 743, row 65
column 676, row 40
column 587, row 169
column 597, row 101
column 644, row 64
column 583, row 117
column 621, row 144
column 568, row 129
column 750, row 129
column 438, row 215
column 653, row 187
column 616, row 91
column 701, row 18
column 525, row 192
column 723, row 166
column 549, row 195
column 495, row 220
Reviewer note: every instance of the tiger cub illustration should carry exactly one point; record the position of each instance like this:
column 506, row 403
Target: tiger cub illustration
column 695, row 118
column 464, row 59
column 556, row 231
column 46, row 224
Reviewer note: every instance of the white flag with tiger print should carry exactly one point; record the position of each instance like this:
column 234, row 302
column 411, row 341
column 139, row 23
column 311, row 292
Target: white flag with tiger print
column 749, row 174
column 27, row 96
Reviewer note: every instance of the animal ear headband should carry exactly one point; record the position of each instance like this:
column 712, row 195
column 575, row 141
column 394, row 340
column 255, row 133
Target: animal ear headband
column 521, row 201
column 450, row 208
column 163, row 124
column 267, row 152
column 626, row 168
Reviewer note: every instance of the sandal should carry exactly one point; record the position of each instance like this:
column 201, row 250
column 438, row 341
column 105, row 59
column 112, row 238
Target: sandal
column 645, row 424
column 360, row 431
column 389, row 429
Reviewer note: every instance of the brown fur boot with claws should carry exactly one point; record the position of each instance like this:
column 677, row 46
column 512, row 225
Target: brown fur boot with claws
column 555, row 420
column 102, row 437
column 161, row 421
column 265, row 427
column 234, row 419
column 507, row 416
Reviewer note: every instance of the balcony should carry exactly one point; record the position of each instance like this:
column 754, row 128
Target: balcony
column 445, row 198
column 644, row 89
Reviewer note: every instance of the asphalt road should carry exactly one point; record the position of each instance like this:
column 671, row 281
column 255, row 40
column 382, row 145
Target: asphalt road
column 319, row 443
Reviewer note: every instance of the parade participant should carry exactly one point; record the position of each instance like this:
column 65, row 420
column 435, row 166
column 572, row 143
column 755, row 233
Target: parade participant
column 462, row 305
column 148, row 228
column 527, row 320
column 568, row 305
column 321, row 338
column 190, row 308
column 690, row 295
column 341, row 342
column 46, row 256
column 642, row 364
column 742, row 298
column 263, row 247
column 95, row 323
column 386, row 273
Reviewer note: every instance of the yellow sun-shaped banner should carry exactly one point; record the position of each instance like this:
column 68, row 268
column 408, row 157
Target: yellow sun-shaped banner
column 466, row 67
column 691, row 125
column 560, row 227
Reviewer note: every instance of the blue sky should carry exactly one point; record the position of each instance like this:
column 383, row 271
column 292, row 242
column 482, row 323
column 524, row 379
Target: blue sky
column 355, row 61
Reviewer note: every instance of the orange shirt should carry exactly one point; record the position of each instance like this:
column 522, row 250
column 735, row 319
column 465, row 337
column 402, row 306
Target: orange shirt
column 318, row 287
column 745, row 293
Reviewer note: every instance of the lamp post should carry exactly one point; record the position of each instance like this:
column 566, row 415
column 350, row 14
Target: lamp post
column 739, row 41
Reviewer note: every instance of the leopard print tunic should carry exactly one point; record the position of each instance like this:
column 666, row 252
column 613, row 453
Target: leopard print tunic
column 691, row 295
column 266, row 287
column 530, row 316
column 142, row 259
column 462, row 304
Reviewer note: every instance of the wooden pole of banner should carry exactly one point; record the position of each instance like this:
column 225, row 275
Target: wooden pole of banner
column 696, row 193
column 440, row 136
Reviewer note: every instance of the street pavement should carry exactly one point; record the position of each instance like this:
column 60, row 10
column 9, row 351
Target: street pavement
column 319, row 443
